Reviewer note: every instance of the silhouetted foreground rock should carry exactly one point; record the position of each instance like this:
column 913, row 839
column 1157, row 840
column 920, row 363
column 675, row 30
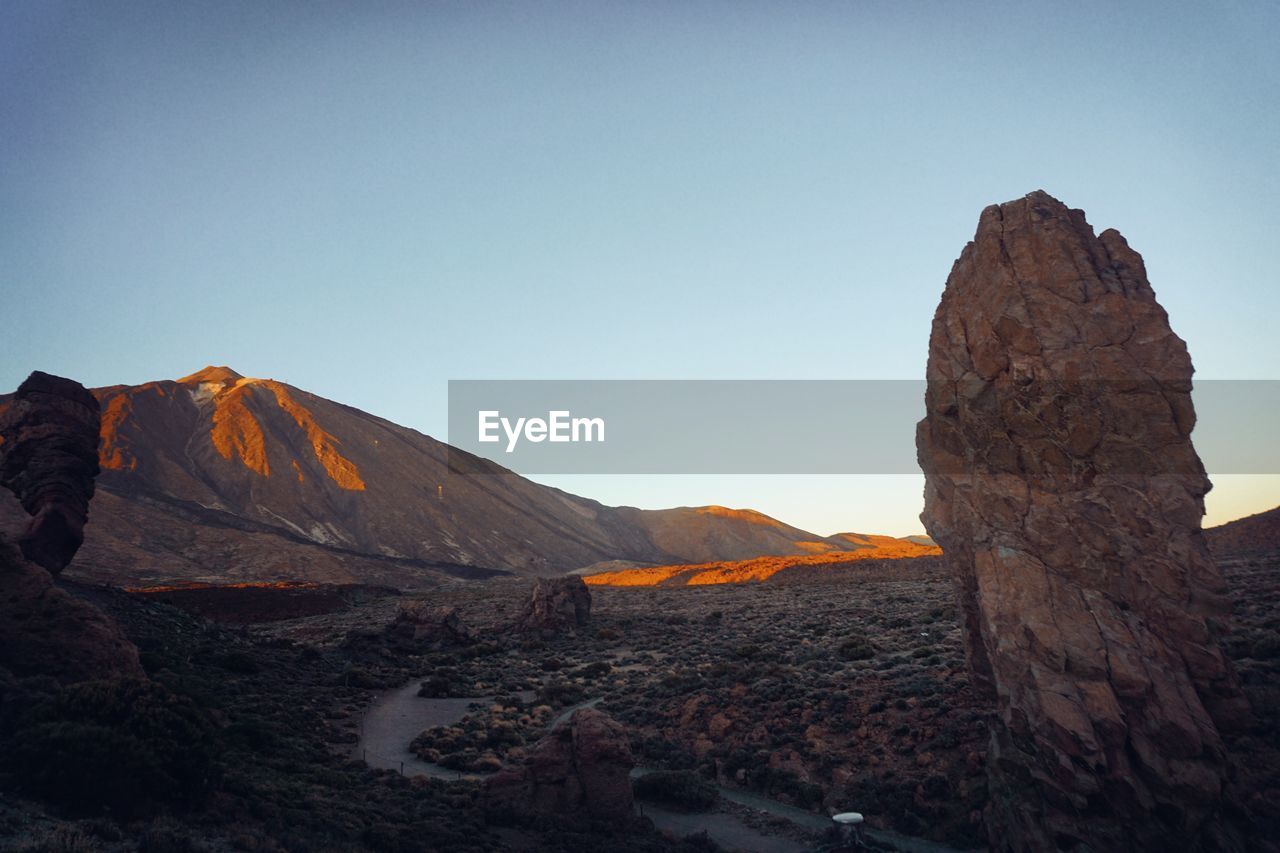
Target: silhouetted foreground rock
column 582, row 767
column 49, row 458
column 1063, row 487
column 555, row 604
column 46, row 631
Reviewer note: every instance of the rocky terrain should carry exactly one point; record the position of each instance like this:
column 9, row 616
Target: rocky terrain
column 841, row 690
column 219, row 478
column 1063, row 486
column 845, row 689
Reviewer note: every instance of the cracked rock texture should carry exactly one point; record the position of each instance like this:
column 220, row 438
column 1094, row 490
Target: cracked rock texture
column 424, row 624
column 49, row 459
column 582, row 767
column 1063, row 487
column 555, row 605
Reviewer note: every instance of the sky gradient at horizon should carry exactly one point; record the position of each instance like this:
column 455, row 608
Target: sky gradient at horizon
column 367, row 200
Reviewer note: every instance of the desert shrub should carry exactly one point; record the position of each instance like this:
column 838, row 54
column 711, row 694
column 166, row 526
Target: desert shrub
column 167, row 837
column 936, row 787
column 856, row 648
column 560, row 693
column 502, row 733
column 659, row 750
column 1267, row 648
column 241, row 663
column 594, row 669
column 251, row 734
column 359, row 676
column 61, row 839
column 124, row 745
column 480, row 650
column 700, row 841
column 435, row 687
column 680, row 789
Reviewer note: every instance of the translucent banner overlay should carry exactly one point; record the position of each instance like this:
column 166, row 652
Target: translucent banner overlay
column 710, row 427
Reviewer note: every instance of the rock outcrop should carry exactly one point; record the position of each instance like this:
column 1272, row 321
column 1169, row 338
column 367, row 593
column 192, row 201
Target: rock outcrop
column 49, row 458
column 45, row 630
column 421, row 624
column 1063, row 487
column 581, row 768
column 554, row 605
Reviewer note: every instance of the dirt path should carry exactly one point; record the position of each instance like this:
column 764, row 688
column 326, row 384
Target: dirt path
column 395, row 719
column 398, row 716
column 725, row 829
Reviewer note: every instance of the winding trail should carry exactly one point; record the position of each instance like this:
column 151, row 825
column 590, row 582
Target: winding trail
column 398, row 716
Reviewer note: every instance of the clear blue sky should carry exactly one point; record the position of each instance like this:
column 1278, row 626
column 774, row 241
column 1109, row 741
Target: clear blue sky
column 368, row 199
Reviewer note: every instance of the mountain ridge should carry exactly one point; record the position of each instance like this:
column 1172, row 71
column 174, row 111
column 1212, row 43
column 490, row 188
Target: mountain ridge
column 218, row 477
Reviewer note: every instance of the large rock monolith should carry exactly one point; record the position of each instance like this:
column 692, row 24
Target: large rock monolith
column 1063, row 487
column 48, row 459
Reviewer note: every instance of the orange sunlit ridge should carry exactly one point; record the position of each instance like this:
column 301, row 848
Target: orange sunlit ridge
column 235, row 432
column 760, row 568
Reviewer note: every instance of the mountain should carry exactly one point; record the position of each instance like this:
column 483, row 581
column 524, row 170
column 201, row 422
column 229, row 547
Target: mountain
column 216, row 477
column 1253, row 534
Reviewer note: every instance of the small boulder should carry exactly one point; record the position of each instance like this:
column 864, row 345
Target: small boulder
column 582, row 767
column 422, row 624
column 554, row 605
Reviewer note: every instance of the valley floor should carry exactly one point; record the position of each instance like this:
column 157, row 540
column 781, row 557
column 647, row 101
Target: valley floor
column 836, row 691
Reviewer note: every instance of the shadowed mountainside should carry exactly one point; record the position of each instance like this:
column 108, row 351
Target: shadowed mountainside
column 1254, row 534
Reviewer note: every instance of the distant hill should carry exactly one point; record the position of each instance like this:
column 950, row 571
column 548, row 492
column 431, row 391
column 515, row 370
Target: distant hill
column 1251, row 535
column 764, row 568
column 221, row 478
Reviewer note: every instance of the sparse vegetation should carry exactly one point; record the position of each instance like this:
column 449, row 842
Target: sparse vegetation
column 680, row 789
column 775, row 688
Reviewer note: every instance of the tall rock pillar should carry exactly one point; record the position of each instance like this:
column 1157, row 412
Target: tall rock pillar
column 1063, row 487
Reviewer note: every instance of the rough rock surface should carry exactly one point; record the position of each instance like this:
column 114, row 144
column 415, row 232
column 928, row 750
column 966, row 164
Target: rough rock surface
column 582, row 767
column 45, row 630
column 422, row 624
column 554, row 605
column 1063, row 487
column 49, row 458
